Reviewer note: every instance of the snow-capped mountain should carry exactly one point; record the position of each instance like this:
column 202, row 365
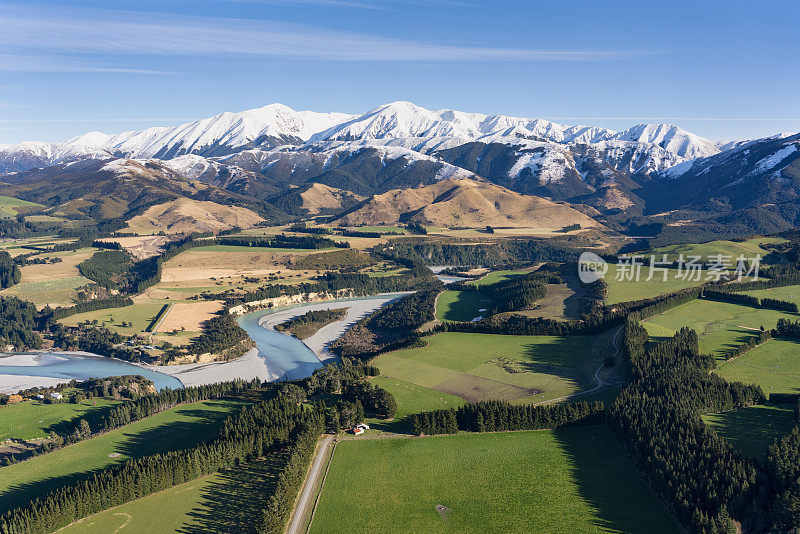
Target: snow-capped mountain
column 222, row 134
column 399, row 123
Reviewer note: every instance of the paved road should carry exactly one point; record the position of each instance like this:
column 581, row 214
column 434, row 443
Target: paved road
column 306, row 501
column 597, row 379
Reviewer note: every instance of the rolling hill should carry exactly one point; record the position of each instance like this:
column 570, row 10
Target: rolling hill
column 465, row 203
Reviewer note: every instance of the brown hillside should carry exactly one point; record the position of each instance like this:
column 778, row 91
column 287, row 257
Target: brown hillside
column 185, row 216
column 321, row 197
column 465, row 203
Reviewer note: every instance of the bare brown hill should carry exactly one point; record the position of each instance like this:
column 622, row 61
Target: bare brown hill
column 320, row 197
column 465, row 203
column 184, row 215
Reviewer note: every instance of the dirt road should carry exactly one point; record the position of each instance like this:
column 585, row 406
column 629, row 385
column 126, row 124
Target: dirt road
column 599, row 381
column 306, row 501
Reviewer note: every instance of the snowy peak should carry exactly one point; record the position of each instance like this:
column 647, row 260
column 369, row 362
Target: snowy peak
column 401, row 119
column 225, row 133
column 670, row 137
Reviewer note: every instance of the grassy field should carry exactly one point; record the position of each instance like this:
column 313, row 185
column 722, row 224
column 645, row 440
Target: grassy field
column 788, row 293
column 748, row 247
column 624, row 290
column 34, row 419
column 411, row 399
column 230, row 502
column 52, row 283
column 719, row 325
column 178, row 428
column 752, row 429
column 58, row 292
column 496, row 276
column 140, row 314
column 539, row 481
column 8, row 206
column 484, row 366
column 460, row 305
column 775, row 366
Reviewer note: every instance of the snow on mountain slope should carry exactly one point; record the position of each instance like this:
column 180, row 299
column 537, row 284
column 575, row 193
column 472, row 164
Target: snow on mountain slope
column 404, row 119
column 215, row 136
column 225, row 133
column 671, row 138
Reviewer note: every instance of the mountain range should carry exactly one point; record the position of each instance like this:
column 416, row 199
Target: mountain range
column 654, row 176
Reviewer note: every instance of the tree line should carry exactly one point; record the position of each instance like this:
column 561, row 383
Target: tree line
column 267, row 428
column 749, row 300
column 499, row 416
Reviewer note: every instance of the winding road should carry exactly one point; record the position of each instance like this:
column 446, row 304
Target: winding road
column 600, row 383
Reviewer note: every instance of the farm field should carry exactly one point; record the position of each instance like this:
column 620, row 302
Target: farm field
column 748, row 247
column 787, row 293
column 486, row 366
column 8, row 206
column 775, row 366
column 53, row 283
column 173, row 429
column 489, row 483
column 496, row 276
column 460, row 305
column 411, row 399
column 624, row 290
column 719, row 325
column 34, row 419
column 140, row 314
column 229, row 501
column 561, row 302
column 752, row 429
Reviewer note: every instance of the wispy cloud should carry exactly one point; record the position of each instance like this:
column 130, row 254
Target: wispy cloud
column 758, row 119
column 377, row 5
column 93, row 119
column 99, row 33
column 34, row 63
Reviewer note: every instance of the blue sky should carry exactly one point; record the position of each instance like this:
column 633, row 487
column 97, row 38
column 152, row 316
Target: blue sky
column 722, row 69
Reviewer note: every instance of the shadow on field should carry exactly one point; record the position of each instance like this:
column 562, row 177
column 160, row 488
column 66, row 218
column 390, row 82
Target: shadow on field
column 572, row 304
column 234, row 500
column 609, row 483
column 158, row 440
column 752, row 429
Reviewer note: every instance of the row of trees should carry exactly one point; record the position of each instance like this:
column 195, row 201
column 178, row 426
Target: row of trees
column 108, row 418
column 750, row 343
column 498, row 416
column 270, row 427
column 749, row 300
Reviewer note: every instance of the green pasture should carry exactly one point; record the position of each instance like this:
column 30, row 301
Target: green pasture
column 8, row 206
column 486, row 366
column 230, row 502
column 140, row 314
column 752, row 429
column 496, row 276
column 719, row 325
column 177, row 428
column 35, row 419
column 460, row 305
column 561, row 481
column 775, row 366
